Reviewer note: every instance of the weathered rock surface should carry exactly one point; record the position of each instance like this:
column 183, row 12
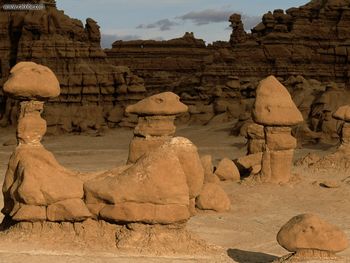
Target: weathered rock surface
column 227, row 170
column 166, row 103
column 213, row 197
column 207, row 164
column 274, row 105
column 30, row 80
column 308, row 231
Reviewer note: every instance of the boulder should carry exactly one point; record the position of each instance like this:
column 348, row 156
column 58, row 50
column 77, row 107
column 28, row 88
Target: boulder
column 43, row 83
column 308, row 231
column 227, row 170
column 213, row 197
column 250, row 160
column 274, row 105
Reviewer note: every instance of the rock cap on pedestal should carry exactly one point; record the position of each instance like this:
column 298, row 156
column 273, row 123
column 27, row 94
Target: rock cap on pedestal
column 29, row 80
column 274, row 105
column 308, row 231
column 166, row 103
column 342, row 113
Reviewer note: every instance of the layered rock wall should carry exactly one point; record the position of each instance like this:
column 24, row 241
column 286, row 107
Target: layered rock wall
column 312, row 41
column 93, row 91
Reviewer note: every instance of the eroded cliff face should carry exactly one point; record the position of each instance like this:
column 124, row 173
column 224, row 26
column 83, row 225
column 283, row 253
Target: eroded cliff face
column 92, row 89
column 218, row 81
column 312, row 40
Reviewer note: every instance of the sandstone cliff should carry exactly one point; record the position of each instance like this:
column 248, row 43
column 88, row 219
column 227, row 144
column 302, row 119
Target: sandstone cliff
column 220, row 79
column 93, row 91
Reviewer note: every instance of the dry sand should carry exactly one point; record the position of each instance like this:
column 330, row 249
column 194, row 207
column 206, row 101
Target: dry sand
column 247, row 233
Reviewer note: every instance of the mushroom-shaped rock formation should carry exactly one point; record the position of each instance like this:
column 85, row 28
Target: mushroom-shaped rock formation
column 166, row 103
column 275, row 110
column 155, row 122
column 274, row 105
column 308, row 237
column 35, row 185
column 29, row 80
column 343, row 113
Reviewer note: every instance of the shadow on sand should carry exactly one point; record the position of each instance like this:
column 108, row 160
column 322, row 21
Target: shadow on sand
column 242, row 256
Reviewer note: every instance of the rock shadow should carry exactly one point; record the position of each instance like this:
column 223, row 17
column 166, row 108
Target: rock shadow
column 6, row 224
column 242, row 256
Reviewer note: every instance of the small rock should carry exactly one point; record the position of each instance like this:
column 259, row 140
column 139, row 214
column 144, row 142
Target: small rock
column 330, row 184
column 227, row 170
column 10, row 142
column 213, row 197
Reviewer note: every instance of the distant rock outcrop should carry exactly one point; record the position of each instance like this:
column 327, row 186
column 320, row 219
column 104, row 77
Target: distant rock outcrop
column 219, row 80
column 306, row 48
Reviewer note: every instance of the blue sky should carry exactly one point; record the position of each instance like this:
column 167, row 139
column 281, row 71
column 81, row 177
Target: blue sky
column 166, row 19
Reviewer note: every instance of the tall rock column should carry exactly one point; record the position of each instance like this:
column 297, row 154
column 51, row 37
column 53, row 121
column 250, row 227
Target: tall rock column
column 276, row 111
column 156, row 115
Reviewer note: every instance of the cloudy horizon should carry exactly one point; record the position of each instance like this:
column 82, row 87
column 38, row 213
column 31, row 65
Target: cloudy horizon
column 167, row 19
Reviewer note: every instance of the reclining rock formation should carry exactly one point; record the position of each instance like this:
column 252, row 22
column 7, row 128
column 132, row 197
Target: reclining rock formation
column 276, row 111
column 156, row 189
column 310, row 238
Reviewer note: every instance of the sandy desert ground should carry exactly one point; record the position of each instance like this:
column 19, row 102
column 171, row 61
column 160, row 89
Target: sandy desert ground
column 247, row 233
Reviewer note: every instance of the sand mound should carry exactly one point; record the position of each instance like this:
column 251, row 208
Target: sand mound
column 161, row 240
column 92, row 235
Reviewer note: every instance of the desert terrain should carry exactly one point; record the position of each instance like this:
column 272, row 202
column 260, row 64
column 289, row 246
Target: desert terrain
column 289, row 75
column 245, row 234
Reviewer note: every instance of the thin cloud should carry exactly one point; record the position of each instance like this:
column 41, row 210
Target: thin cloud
column 108, row 39
column 208, row 16
column 162, row 25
